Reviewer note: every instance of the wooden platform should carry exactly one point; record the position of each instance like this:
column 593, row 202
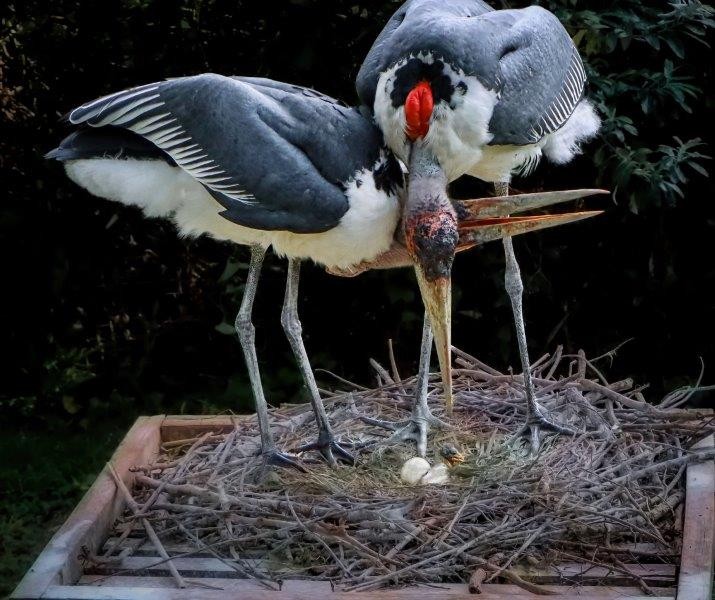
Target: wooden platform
column 58, row 573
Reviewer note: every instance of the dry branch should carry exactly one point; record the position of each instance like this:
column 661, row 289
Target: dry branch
column 589, row 498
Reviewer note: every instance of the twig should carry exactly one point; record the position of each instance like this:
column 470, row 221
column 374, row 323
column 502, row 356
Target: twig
column 393, row 362
column 134, row 507
column 363, row 528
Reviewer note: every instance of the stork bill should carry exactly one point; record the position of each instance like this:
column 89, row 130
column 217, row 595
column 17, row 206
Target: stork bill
column 479, row 221
column 483, row 220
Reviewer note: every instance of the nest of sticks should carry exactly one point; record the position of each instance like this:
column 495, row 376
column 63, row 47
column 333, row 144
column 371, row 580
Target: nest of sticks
column 593, row 498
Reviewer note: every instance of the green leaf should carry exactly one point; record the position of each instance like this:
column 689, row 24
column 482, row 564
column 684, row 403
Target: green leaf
column 70, row 404
column 699, row 168
column 225, row 328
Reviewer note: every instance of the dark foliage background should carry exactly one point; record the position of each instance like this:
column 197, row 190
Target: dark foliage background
column 107, row 316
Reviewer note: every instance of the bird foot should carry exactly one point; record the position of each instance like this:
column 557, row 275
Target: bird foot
column 264, row 471
column 329, row 448
column 538, row 420
column 273, row 458
column 414, row 429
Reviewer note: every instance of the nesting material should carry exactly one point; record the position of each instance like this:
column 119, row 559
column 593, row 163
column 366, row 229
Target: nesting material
column 610, row 496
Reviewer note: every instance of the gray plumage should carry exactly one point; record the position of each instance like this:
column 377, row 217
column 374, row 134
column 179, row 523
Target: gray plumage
column 274, row 155
column 451, row 78
column 525, row 55
column 292, row 168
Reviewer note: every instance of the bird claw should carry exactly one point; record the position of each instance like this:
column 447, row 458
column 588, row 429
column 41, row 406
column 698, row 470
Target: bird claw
column 273, row 458
column 389, row 425
column 537, row 421
column 330, row 449
column 414, row 429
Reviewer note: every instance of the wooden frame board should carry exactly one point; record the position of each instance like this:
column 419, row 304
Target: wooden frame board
column 57, row 570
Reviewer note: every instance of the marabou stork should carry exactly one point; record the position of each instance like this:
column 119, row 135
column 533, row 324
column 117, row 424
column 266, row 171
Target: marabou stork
column 460, row 88
column 263, row 163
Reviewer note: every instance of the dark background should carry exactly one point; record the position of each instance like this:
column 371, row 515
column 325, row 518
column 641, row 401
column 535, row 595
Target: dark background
column 107, row 315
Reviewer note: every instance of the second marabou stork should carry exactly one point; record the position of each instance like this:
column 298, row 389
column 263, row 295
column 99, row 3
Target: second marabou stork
column 267, row 164
column 460, row 88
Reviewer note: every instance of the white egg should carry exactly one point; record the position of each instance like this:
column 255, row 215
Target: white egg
column 414, row 470
column 418, row 471
column 436, row 475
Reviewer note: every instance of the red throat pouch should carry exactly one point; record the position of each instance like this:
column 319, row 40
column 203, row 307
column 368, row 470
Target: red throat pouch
column 418, row 110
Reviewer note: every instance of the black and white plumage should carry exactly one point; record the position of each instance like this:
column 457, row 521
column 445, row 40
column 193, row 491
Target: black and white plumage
column 507, row 86
column 263, row 163
column 484, row 92
column 256, row 162
column 248, row 160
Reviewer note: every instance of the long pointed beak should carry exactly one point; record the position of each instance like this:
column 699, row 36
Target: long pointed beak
column 431, row 231
column 487, row 229
column 437, row 298
column 501, row 206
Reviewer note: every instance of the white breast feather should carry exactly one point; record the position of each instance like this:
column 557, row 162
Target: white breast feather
column 456, row 135
column 459, row 136
column 366, row 230
column 561, row 146
column 160, row 190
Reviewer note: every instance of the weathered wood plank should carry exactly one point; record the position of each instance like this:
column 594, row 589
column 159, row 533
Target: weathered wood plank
column 89, row 522
column 181, row 427
column 57, row 568
column 698, row 554
column 199, row 567
column 188, row 566
column 310, row 590
column 501, row 591
column 652, row 574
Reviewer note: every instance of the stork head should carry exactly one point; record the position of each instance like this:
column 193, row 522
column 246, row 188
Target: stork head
column 431, row 237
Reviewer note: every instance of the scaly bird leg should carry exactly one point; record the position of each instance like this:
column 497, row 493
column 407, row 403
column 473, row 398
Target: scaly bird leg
column 326, row 443
column 247, row 336
column 417, row 427
column 535, row 418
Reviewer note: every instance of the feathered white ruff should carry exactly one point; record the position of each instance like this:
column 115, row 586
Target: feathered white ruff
column 457, row 135
column 160, row 190
column 500, row 163
column 561, row 146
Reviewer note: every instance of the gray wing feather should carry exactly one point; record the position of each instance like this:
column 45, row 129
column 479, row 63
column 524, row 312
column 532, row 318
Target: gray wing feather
column 257, row 147
column 540, row 78
column 525, row 55
column 409, row 30
column 267, row 85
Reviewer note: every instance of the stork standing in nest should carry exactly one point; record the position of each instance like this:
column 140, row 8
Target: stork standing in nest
column 459, row 88
column 266, row 164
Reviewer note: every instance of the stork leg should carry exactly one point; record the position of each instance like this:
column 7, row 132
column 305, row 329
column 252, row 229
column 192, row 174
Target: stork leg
column 247, row 336
column 535, row 417
column 417, row 427
column 326, row 443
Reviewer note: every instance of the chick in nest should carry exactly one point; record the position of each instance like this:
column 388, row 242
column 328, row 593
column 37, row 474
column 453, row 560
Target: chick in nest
column 417, row 470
